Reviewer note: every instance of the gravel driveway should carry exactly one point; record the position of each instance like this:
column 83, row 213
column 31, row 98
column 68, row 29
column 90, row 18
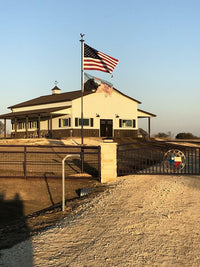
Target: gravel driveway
column 140, row 221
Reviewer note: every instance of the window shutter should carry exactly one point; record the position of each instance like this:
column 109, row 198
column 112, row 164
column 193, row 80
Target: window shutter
column 76, row 122
column 91, row 122
column 133, row 123
column 59, row 123
column 69, row 122
column 120, row 122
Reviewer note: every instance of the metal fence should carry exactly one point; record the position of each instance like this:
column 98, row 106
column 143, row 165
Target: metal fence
column 157, row 158
column 28, row 161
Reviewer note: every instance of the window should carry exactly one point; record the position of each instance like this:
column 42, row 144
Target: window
column 127, row 123
column 86, row 122
column 32, row 124
column 21, row 125
column 65, row 122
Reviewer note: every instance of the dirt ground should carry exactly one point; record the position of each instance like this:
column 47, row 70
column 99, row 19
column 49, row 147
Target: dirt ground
column 92, row 141
column 35, row 204
column 138, row 221
column 28, row 206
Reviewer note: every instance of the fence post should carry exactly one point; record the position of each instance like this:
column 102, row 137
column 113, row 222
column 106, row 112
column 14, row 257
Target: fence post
column 25, row 150
column 99, row 163
column 108, row 161
column 199, row 160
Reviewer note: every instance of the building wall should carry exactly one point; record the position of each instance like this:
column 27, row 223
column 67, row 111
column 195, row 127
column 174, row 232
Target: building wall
column 64, row 133
column 107, row 107
column 125, row 133
column 115, row 107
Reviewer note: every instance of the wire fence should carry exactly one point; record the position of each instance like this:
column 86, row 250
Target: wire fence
column 26, row 161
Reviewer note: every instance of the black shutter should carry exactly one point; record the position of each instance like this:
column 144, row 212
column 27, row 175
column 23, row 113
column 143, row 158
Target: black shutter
column 69, row 122
column 120, row 122
column 133, row 123
column 76, row 122
column 91, row 122
column 59, row 123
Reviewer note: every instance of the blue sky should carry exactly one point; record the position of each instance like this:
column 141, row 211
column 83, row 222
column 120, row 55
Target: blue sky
column 156, row 41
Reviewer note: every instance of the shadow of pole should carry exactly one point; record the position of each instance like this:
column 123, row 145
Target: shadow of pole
column 48, row 188
column 14, row 230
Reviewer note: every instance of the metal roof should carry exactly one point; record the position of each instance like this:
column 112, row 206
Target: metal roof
column 53, row 98
column 35, row 112
column 147, row 113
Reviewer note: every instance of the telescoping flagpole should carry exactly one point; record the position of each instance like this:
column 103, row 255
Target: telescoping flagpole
column 82, row 85
column 82, row 90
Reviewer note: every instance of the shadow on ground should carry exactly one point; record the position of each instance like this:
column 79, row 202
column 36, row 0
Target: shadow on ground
column 29, row 206
column 13, row 226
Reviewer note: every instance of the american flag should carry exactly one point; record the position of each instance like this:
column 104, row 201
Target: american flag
column 95, row 60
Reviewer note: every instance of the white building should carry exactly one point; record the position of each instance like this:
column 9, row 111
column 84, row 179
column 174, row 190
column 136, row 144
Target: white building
column 106, row 113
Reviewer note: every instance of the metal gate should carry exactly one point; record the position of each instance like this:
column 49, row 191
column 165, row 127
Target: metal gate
column 157, row 158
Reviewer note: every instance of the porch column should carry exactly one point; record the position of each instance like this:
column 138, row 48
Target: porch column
column 26, row 126
column 39, row 134
column 15, row 127
column 50, row 126
column 149, row 127
column 4, row 128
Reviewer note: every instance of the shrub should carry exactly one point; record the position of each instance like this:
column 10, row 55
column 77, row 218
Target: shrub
column 142, row 132
column 163, row 135
column 185, row 136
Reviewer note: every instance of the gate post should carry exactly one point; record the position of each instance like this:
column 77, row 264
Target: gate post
column 108, row 161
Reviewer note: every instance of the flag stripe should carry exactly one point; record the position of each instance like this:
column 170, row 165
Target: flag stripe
column 90, row 62
column 94, row 68
column 109, row 62
column 95, row 60
column 97, row 67
column 111, row 59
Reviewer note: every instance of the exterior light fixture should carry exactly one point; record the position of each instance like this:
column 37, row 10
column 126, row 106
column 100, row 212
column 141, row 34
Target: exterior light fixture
column 116, row 116
column 97, row 115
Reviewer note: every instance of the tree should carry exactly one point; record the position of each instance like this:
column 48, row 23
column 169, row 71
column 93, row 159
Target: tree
column 185, row 136
column 163, row 135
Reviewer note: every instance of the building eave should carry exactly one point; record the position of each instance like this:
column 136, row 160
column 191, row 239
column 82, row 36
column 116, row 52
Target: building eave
column 145, row 114
column 50, row 99
column 128, row 96
column 36, row 112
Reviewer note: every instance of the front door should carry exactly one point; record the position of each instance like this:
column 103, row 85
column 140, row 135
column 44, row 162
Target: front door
column 106, row 128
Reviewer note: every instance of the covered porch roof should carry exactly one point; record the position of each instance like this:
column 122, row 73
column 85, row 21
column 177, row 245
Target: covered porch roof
column 148, row 115
column 33, row 113
column 145, row 114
